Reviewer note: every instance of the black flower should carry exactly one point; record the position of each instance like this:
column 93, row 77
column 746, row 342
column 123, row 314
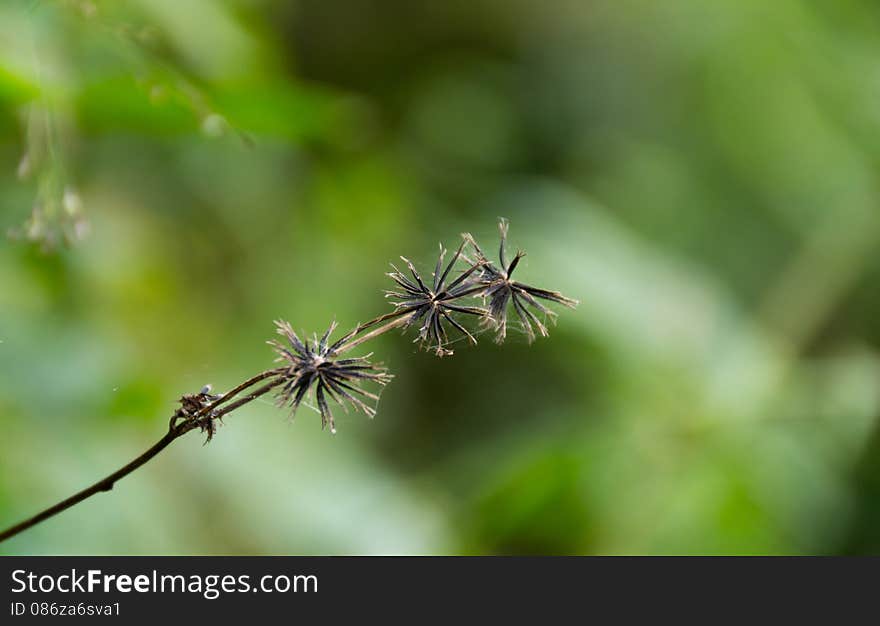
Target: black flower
column 437, row 305
column 500, row 291
column 317, row 366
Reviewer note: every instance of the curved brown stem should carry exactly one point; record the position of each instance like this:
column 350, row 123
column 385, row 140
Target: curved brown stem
column 251, row 396
column 105, row 484
column 239, row 388
column 175, row 430
column 401, row 319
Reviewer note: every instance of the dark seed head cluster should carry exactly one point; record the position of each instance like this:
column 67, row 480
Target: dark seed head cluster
column 317, row 366
column 467, row 294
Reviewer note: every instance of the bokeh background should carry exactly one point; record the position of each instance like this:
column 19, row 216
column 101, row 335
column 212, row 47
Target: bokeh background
column 701, row 176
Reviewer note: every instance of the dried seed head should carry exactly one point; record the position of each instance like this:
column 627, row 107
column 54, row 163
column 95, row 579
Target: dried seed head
column 191, row 407
column 437, row 304
column 500, row 290
column 316, row 368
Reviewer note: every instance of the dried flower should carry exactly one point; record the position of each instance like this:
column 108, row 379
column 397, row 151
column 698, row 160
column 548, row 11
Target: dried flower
column 500, row 290
column 438, row 305
column 191, row 407
column 316, row 366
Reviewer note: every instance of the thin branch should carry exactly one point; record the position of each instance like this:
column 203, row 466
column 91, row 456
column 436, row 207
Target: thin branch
column 105, row 484
column 251, row 396
column 237, row 390
column 175, row 430
column 394, row 323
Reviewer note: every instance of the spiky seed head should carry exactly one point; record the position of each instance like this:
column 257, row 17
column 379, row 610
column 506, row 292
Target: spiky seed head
column 501, row 292
column 437, row 304
column 315, row 368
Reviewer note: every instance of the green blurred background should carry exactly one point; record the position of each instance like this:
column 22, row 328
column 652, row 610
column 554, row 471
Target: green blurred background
column 701, row 176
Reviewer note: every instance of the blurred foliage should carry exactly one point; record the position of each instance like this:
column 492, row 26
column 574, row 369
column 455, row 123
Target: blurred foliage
column 702, row 176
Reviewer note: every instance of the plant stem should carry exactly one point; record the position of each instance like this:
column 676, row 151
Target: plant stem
column 105, row 484
column 251, row 396
column 175, row 430
column 394, row 323
column 238, row 389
